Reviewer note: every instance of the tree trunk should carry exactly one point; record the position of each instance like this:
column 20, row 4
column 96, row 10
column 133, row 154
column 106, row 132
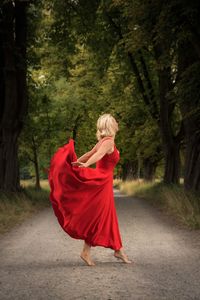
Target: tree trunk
column 37, row 173
column 9, row 126
column 172, row 164
column 149, row 169
column 192, row 163
column 170, row 142
column 129, row 170
column 2, row 96
column 187, row 58
column 13, row 90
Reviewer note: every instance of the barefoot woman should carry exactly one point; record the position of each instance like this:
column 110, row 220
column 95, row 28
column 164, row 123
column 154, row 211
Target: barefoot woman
column 82, row 197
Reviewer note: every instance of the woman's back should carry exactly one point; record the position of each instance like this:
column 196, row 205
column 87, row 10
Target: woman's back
column 109, row 160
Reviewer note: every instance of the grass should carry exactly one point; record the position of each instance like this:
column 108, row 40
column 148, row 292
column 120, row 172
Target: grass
column 17, row 207
column 172, row 199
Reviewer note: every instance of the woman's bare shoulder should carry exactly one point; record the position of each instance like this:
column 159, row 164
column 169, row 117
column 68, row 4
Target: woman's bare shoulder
column 106, row 141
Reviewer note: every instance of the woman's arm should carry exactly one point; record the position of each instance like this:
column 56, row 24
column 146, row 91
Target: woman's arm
column 87, row 155
column 104, row 148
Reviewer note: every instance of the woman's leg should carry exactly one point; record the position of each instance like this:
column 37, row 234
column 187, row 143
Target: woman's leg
column 86, row 247
column 85, row 254
column 121, row 254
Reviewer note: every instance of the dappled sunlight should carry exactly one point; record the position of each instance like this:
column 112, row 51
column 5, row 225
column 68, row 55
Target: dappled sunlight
column 30, row 182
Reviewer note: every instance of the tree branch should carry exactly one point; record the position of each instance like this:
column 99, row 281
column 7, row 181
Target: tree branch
column 152, row 101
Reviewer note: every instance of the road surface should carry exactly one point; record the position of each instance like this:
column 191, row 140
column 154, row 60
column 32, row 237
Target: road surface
column 39, row 261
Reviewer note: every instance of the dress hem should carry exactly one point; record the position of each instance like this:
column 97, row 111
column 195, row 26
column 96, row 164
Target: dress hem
column 92, row 243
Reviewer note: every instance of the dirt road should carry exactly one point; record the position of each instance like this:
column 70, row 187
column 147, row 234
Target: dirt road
column 39, row 261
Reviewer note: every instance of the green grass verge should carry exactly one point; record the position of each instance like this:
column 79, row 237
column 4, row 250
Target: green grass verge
column 172, row 199
column 17, row 207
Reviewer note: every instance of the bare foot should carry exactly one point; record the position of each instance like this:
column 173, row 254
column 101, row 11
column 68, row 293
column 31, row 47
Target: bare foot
column 121, row 255
column 86, row 257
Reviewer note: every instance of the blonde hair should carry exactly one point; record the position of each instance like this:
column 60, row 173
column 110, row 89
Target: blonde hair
column 106, row 126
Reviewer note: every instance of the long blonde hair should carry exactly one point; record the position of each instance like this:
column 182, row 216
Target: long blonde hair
column 106, row 126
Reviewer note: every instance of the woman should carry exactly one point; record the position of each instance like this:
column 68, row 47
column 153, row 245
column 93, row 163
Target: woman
column 82, row 197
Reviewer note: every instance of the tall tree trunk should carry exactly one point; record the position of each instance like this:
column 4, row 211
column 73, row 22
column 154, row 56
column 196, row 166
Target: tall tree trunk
column 9, row 126
column 2, row 102
column 192, row 161
column 187, row 58
column 13, row 91
column 36, row 166
column 171, row 143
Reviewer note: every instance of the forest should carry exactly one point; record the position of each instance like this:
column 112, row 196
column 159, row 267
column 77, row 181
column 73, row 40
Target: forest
column 65, row 62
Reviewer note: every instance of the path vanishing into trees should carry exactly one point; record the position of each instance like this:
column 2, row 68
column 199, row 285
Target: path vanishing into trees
column 39, row 261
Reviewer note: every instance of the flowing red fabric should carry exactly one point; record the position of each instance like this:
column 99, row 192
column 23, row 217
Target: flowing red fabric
column 82, row 198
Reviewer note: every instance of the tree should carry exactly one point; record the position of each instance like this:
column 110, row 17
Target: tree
column 13, row 33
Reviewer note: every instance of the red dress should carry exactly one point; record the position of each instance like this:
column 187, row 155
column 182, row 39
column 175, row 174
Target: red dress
column 82, row 198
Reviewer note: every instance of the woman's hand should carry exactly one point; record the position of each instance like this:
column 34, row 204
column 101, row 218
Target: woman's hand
column 79, row 164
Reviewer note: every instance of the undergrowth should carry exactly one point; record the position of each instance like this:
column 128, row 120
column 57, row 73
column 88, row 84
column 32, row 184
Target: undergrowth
column 16, row 207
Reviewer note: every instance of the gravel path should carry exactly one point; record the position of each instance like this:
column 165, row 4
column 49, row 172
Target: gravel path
column 39, row 261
